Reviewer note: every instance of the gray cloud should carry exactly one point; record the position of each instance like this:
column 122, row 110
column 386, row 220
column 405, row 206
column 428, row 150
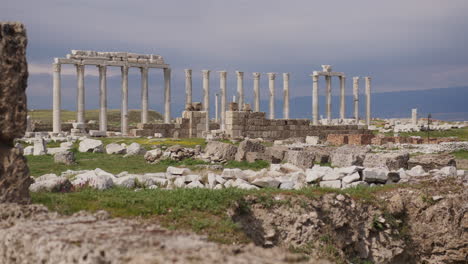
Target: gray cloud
column 403, row 45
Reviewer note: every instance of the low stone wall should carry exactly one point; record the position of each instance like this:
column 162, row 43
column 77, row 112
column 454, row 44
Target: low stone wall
column 46, row 127
column 192, row 124
column 256, row 125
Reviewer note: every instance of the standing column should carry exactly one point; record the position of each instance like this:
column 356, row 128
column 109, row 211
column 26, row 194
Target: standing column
column 216, row 107
column 256, row 88
column 57, row 122
column 206, row 97
column 368, row 100
column 271, row 85
column 81, row 94
column 329, row 98
column 222, row 86
column 356, row 98
column 286, row 95
column 315, row 101
column 414, row 116
column 188, row 87
column 124, row 106
column 144, row 95
column 167, row 95
column 102, row 97
column 342, row 97
column 240, row 89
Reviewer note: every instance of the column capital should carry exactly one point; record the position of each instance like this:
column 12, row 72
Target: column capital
column 144, row 69
column 356, row 78
column 222, row 74
column 188, row 73
column 315, row 77
column 206, row 73
column 124, row 69
column 286, row 75
column 271, row 75
column 256, row 75
column 240, row 74
column 367, row 78
column 326, row 68
column 56, row 67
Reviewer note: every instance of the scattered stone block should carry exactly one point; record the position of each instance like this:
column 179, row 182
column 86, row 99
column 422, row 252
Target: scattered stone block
column 375, row 175
column 331, row 184
column 39, row 147
column 302, row 159
column 97, row 133
column 114, row 148
column 91, row 145
column 391, row 161
column 65, row 157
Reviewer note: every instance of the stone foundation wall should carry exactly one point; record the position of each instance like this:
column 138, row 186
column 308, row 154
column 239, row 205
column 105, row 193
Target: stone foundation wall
column 46, row 127
column 190, row 125
column 256, row 125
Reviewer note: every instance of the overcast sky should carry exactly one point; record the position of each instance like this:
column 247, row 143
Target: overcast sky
column 401, row 44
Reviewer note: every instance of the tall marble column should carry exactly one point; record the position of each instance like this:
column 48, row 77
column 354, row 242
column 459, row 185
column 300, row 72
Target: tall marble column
column 356, row 98
column 368, row 100
column 144, row 95
column 256, row 88
column 315, row 100
column 286, row 95
column 342, row 97
column 271, row 86
column 124, row 106
column 206, row 97
column 414, row 116
column 167, row 95
column 222, row 86
column 81, row 94
column 329, row 99
column 57, row 100
column 216, row 107
column 240, row 89
column 102, row 97
column 188, row 87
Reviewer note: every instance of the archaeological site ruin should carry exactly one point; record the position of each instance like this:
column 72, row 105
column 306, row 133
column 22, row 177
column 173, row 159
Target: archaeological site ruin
column 225, row 182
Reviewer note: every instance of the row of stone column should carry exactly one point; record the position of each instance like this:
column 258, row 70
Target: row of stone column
column 80, row 68
column 315, row 96
column 240, row 92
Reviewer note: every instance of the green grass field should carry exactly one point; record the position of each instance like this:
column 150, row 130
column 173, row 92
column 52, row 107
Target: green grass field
column 199, row 210
column 113, row 116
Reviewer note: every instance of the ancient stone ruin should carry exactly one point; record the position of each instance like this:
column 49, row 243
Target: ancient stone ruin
column 234, row 122
column 102, row 60
column 14, row 172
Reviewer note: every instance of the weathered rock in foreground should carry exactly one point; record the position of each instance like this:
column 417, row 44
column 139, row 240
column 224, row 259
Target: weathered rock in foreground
column 13, row 81
column 358, row 233
column 14, row 176
column 31, row 234
column 14, row 172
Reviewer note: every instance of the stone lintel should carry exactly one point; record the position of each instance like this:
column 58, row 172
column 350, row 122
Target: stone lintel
column 321, row 73
column 110, row 63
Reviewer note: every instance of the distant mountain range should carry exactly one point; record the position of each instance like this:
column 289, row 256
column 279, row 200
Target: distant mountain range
column 445, row 103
